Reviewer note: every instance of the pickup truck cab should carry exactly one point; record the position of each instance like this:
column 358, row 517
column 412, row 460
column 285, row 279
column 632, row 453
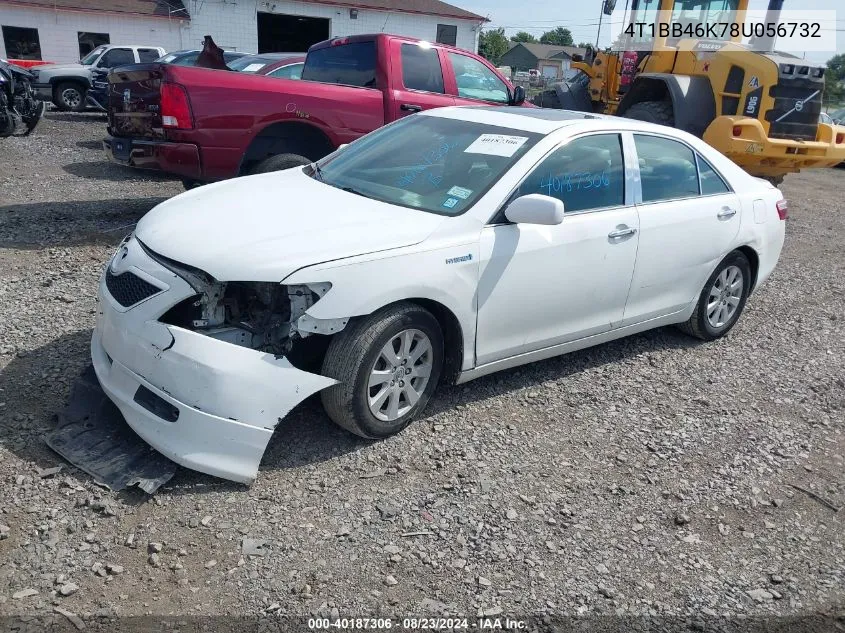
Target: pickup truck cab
column 207, row 125
column 66, row 85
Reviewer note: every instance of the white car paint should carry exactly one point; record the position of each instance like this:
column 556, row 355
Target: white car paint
column 519, row 292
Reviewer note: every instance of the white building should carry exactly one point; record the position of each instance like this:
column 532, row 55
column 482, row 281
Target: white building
column 64, row 30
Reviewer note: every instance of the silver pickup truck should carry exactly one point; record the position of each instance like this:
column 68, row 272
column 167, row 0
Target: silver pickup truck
column 67, row 84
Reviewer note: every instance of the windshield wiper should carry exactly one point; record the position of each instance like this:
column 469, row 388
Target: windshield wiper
column 355, row 191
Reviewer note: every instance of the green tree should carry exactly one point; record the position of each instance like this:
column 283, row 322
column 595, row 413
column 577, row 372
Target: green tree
column 834, row 79
column 492, row 44
column 560, row 37
column 524, row 36
column 585, row 44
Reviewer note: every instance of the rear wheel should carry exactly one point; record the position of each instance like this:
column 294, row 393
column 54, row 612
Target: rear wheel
column 279, row 162
column 722, row 300
column 387, row 366
column 659, row 112
column 69, row 95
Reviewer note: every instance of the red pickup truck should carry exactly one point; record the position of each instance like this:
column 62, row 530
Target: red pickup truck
column 206, row 125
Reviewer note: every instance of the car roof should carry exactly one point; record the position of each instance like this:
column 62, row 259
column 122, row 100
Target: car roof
column 545, row 120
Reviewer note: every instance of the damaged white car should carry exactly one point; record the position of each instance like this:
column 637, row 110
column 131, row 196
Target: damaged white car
column 443, row 247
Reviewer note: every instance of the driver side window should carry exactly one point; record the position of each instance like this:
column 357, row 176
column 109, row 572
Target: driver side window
column 476, row 81
column 116, row 57
column 586, row 173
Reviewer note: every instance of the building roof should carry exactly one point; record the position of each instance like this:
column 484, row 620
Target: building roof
column 549, row 51
column 176, row 8
column 422, row 7
column 150, row 8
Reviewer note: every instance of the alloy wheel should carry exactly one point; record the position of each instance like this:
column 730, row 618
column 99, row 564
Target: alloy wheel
column 400, row 375
column 725, row 296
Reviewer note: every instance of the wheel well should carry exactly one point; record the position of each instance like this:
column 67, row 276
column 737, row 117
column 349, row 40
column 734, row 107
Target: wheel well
column 753, row 261
column 291, row 137
column 453, row 337
column 56, row 81
column 644, row 89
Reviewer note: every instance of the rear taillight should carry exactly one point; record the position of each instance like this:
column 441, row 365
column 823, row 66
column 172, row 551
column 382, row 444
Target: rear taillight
column 840, row 138
column 783, row 209
column 175, row 107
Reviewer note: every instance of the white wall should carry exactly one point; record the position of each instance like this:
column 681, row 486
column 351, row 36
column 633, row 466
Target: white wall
column 232, row 24
column 58, row 30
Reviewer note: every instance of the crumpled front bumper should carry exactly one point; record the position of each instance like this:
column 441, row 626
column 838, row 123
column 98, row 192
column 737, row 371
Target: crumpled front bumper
column 206, row 404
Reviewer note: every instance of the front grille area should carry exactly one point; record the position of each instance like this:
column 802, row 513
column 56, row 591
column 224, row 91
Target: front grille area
column 798, row 103
column 128, row 288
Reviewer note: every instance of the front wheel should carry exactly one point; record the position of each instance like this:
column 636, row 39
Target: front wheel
column 387, row 366
column 69, row 95
column 659, row 112
column 722, row 300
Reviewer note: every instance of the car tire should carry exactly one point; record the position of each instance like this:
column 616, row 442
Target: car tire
column 659, row 112
column 356, row 355
column 279, row 162
column 69, row 96
column 189, row 183
column 722, row 300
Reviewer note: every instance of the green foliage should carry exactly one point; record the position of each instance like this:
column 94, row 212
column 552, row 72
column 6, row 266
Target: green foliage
column 585, row 44
column 834, row 79
column 560, row 37
column 524, row 36
column 492, row 44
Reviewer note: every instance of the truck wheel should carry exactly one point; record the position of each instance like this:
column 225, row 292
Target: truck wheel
column 279, row 162
column 69, row 95
column 387, row 366
column 659, row 112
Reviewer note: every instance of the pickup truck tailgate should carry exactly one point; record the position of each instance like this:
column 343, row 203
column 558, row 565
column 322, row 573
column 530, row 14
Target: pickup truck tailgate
column 135, row 101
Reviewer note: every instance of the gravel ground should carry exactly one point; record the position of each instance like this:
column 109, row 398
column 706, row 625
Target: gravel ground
column 647, row 477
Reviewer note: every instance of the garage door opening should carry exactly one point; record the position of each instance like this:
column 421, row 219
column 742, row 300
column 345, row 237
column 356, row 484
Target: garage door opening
column 280, row 33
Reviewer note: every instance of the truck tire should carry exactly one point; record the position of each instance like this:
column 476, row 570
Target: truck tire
column 279, row 162
column 659, row 112
column 387, row 366
column 69, row 96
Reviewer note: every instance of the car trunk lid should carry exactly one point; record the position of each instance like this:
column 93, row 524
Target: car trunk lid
column 135, row 101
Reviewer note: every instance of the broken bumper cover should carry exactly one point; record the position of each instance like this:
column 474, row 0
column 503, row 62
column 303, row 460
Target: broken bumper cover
column 182, row 159
column 206, row 404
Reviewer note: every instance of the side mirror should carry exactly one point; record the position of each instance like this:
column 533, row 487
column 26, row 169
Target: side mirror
column 535, row 208
column 518, row 96
column 608, row 7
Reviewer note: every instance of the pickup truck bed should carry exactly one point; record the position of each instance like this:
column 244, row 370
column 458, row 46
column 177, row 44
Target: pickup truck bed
column 205, row 125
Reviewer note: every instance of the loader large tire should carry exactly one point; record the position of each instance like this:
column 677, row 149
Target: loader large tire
column 659, row 112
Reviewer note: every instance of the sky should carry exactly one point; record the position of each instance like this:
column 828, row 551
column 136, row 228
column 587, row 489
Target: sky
column 581, row 17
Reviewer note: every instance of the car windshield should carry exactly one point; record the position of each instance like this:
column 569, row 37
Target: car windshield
column 429, row 163
column 251, row 63
column 91, row 57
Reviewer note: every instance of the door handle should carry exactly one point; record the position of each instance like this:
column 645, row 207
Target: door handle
column 726, row 213
column 622, row 231
column 410, row 107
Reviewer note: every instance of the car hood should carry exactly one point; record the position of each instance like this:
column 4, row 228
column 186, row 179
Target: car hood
column 61, row 67
column 265, row 227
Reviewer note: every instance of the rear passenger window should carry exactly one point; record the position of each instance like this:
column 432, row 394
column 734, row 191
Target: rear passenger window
column 667, row 168
column 421, row 68
column 586, row 173
column 345, row 64
column 711, row 182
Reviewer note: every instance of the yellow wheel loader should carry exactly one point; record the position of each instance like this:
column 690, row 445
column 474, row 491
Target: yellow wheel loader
column 761, row 109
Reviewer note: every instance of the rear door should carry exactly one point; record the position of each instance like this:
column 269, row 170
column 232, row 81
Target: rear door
column 473, row 82
column 417, row 81
column 689, row 220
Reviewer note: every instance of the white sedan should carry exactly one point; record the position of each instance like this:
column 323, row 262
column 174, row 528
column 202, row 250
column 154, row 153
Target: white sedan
column 443, row 247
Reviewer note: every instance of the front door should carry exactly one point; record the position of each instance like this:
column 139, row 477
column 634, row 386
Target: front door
column 475, row 83
column 544, row 285
column 419, row 86
column 689, row 219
